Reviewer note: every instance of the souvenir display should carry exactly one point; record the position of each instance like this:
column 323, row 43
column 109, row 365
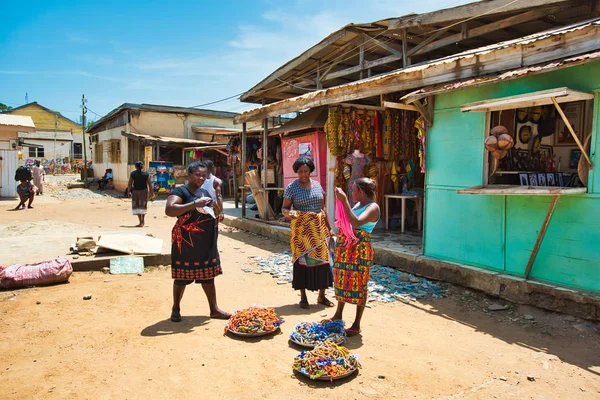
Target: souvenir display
column 327, row 361
column 525, row 134
column 310, row 334
column 253, row 321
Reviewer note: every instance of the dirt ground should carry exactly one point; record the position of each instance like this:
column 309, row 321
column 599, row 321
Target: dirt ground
column 121, row 344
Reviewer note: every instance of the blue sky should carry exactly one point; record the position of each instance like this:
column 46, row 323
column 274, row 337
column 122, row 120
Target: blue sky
column 182, row 53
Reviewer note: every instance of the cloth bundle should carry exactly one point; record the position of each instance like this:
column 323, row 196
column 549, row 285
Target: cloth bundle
column 45, row 273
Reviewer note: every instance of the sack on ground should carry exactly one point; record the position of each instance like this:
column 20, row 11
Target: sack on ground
column 44, row 273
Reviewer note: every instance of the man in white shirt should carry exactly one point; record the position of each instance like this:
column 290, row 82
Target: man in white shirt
column 214, row 186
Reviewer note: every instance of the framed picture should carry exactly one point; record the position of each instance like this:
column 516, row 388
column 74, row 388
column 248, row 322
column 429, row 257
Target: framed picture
column 550, row 180
column 533, row 180
column 574, row 113
column 574, row 160
column 541, row 179
column 559, row 179
column 524, row 179
column 546, row 151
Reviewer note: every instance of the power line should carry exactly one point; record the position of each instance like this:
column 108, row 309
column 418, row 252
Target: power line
column 218, row 101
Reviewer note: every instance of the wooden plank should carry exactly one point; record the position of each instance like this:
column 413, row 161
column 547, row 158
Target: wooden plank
column 541, row 98
column 485, row 29
column 426, row 41
column 541, row 235
column 493, row 7
column 424, row 112
column 386, row 46
column 507, row 190
column 129, row 243
column 399, row 106
column 570, row 128
column 243, row 167
column 519, row 55
column 363, row 66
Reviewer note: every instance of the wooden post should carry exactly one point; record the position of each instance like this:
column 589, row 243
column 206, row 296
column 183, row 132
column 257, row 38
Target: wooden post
column 243, row 169
column 570, row 128
column 405, row 61
column 361, row 59
column 265, row 145
column 540, row 237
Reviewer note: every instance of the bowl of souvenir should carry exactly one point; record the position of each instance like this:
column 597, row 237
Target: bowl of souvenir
column 254, row 321
column 505, row 141
column 310, row 334
column 327, row 362
column 491, row 143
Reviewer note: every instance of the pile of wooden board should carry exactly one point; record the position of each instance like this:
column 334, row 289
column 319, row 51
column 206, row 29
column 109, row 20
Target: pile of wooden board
column 262, row 200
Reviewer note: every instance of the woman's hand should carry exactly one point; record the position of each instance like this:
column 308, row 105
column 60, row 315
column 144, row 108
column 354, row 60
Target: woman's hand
column 203, row 201
column 339, row 194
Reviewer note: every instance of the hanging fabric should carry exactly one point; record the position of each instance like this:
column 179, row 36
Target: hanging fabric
column 422, row 136
column 377, row 133
column 332, row 130
column 387, row 135
column 343, row 224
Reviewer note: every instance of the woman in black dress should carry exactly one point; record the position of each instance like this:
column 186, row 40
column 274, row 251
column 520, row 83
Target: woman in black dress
column 194, row 254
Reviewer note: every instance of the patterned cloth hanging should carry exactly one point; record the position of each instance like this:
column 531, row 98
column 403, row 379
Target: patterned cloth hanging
column 422, row 135
column 387, row 135
column 332, row 130
column 367, row 135
column 398, row 147
column 377, row 133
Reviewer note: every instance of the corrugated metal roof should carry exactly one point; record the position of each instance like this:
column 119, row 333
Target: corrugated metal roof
column 307, row 100
column 512, row 74
column 313, row 118
column 47, row 135
column 167, row 140
column 159, row 108
column 19, row 121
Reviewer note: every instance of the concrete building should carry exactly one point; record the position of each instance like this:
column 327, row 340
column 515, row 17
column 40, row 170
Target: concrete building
column 10, row 126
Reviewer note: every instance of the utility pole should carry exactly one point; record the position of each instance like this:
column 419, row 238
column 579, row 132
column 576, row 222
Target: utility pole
column 85, row 167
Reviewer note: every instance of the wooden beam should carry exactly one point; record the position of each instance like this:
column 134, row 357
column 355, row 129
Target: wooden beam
column 399, row 106
column 243, row 168
column 424, row 112
column 485, row 29
column 427, row 41
column 405, row 60
column 359, row 68
column 342, row 50
column 519, row 55
column 570, row 128
column 442, row 17
column 541, row 235
column 385, row 46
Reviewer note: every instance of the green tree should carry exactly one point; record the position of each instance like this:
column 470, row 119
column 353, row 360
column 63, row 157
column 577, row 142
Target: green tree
column 4, row 107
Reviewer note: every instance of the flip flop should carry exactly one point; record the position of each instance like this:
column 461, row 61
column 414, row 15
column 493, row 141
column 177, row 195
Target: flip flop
column 221, row 316
column 304, row 304
column 326, row 302
column 175, row 316
column 352, row 332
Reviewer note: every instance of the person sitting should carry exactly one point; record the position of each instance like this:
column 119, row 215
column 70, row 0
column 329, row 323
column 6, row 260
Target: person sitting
column 103, row 182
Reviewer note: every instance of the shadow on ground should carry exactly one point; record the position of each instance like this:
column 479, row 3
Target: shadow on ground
column 167, row 327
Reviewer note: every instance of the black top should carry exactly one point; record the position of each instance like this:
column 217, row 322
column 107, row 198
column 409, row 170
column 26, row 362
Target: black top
column 139, row 179
column 186, row 195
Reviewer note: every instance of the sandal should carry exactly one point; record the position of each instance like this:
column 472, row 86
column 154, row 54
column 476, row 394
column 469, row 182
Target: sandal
column 175, row 316
column 304, row 304
column 326, row 302
column 221, row 315
column 352, row 332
